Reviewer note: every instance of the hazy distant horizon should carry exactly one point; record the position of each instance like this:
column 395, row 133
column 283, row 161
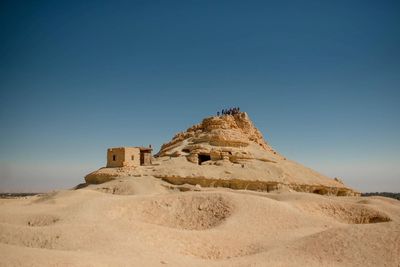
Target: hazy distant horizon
column 321, row 81
column 38, row 180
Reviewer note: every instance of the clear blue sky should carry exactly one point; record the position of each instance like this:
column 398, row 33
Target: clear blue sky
column 320, row 79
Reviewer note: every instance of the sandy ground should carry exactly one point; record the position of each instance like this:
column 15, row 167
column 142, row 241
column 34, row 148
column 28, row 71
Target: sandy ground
column 144, row 221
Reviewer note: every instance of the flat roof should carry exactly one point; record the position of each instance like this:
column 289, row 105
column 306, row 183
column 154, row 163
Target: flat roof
column 141, row 148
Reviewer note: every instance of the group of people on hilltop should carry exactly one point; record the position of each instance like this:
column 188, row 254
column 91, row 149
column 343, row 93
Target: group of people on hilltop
column 230, row 111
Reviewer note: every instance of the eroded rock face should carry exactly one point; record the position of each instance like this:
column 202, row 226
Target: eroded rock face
column 219, row 138
column 228, row 151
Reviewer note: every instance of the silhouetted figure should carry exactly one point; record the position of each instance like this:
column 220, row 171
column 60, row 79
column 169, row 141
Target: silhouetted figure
column 229, row 111
column 218, row 113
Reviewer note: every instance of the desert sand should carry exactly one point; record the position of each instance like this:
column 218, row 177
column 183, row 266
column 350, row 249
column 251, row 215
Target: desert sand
column 144, row 221
column 216, row 195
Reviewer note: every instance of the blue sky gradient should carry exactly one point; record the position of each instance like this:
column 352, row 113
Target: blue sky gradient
column 320, row 79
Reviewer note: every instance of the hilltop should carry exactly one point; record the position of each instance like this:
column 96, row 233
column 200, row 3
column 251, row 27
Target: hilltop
column 228, row 151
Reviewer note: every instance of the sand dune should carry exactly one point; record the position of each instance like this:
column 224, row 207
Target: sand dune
column 144, row 221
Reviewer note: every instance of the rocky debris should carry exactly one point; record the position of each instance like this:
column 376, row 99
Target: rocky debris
column 219, row 138
column 264, row 186
column 103, row 175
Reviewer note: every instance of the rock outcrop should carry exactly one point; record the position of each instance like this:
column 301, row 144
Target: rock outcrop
column 220, row 137
column 228, row 151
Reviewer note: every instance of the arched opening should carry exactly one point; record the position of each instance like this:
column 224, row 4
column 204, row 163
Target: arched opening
column 203, row 157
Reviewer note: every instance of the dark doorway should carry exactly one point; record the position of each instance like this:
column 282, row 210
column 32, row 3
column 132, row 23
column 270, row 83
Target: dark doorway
column 203, row 157
column 141, row 158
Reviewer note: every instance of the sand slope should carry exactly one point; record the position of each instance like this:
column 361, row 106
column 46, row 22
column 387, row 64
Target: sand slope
column 144, row 221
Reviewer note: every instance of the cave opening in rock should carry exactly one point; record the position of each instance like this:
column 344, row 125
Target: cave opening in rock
column 203, row 157
column 319, row 191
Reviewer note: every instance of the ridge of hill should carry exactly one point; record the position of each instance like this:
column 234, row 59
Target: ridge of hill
column 228, row 151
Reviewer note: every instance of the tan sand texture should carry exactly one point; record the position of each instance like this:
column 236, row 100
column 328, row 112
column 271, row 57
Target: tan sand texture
column 144, row 221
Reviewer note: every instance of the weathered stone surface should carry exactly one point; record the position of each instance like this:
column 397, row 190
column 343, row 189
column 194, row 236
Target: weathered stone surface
column 228, row 131
column 228, row 151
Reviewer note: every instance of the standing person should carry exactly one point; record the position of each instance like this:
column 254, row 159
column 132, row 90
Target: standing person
column 218, row 113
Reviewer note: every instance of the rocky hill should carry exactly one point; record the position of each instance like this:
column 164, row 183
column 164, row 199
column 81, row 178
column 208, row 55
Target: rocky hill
column 227, row 151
